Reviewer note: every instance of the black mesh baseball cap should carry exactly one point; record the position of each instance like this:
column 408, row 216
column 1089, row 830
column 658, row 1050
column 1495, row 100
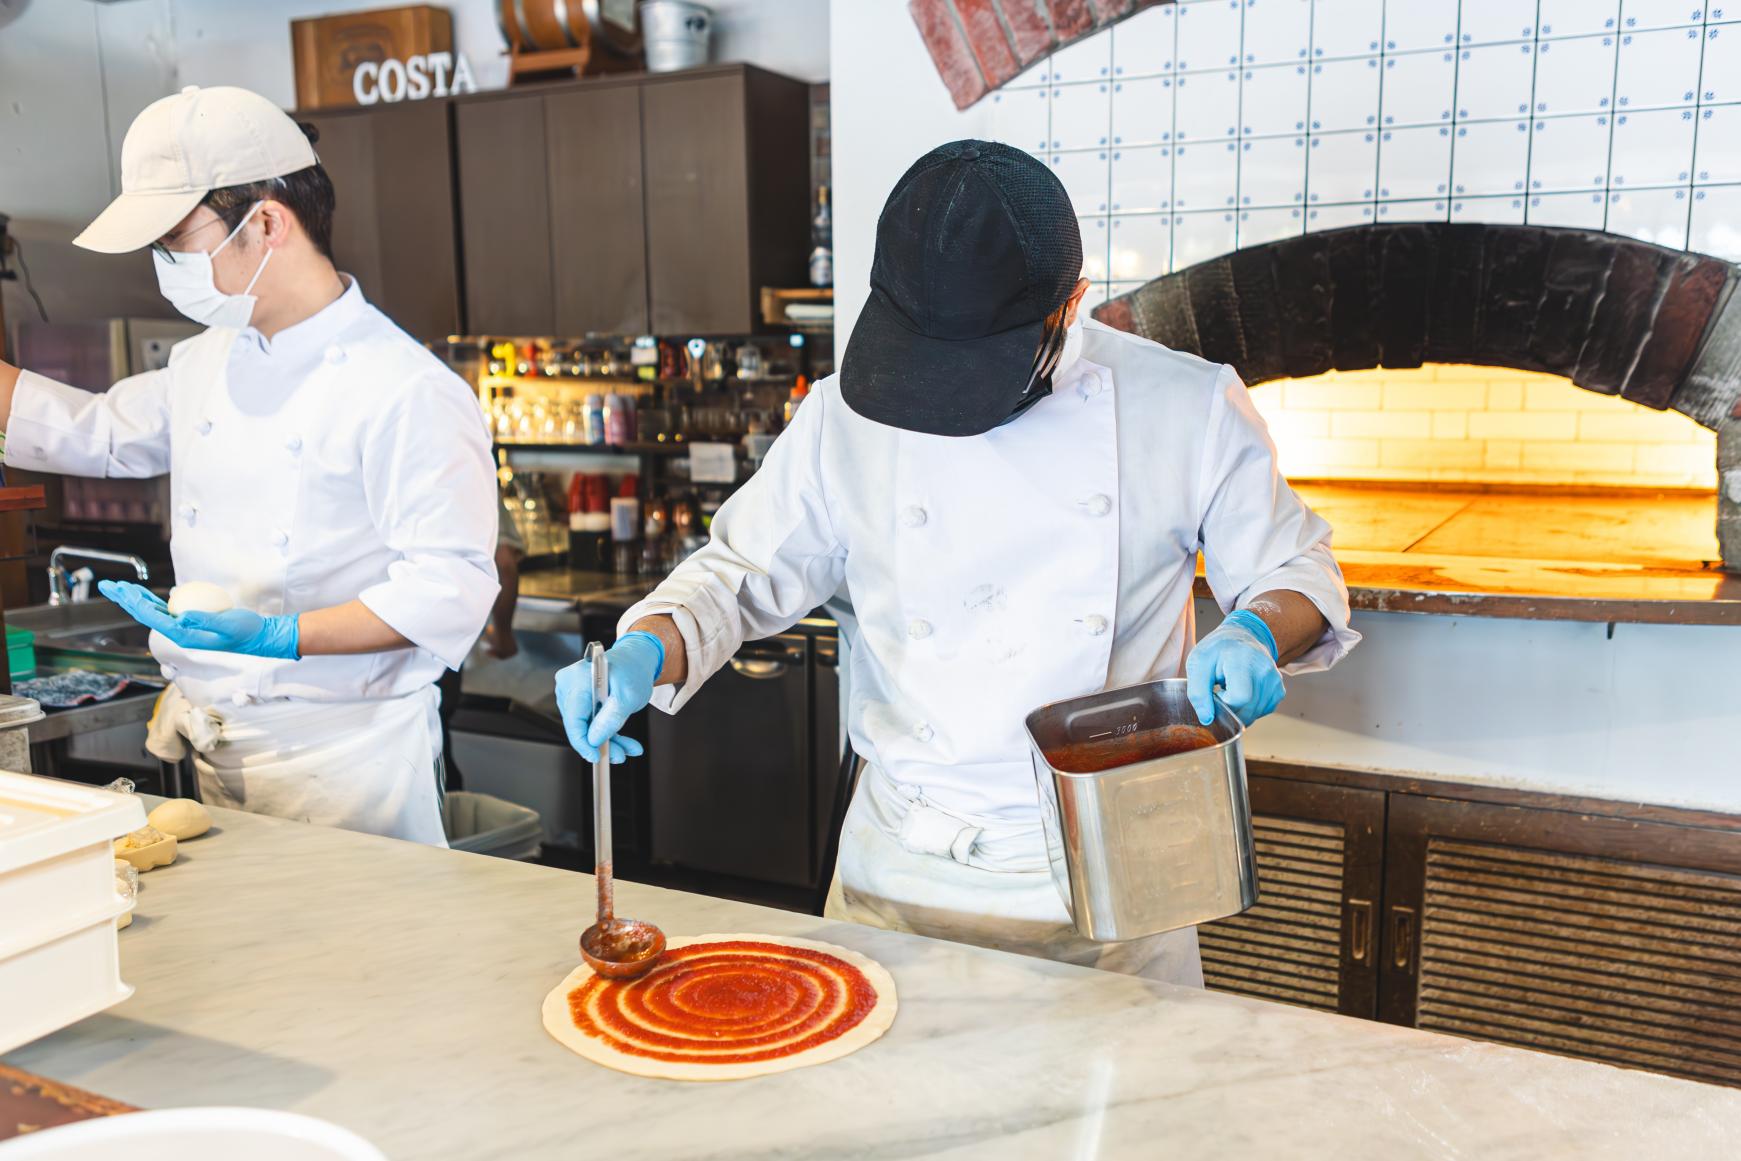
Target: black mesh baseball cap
column 977, row 245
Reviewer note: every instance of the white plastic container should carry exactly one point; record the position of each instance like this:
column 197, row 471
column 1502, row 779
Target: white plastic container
column 58, row 905
column 675, row 34
column 216, row 1134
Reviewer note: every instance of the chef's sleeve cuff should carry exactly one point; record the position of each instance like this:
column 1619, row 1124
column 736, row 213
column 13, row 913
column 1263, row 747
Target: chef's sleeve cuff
column 707, row 641
column 55, row 428
column 1312, row 575
column 438, row 602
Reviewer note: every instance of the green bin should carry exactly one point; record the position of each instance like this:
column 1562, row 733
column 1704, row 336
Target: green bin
column 20, row 653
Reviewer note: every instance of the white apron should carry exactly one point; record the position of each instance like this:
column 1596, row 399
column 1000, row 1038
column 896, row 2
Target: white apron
column 361, row 765
column 907, row 866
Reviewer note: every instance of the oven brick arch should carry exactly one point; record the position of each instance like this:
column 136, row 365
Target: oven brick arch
column 980, row 45
column 1614, row 315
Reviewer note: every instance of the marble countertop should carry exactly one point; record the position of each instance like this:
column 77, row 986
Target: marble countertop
column 395, row 989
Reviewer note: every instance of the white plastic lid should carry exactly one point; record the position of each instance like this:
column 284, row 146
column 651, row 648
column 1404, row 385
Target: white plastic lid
column 41, row 818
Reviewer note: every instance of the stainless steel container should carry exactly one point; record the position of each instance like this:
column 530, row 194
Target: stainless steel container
column 676, row 34
column 1155, row 845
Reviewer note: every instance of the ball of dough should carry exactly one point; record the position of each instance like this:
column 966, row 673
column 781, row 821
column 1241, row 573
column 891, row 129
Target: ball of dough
column 181, row 817
column 198, row 597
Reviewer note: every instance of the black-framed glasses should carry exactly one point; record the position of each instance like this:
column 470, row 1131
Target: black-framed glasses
column 159, row 248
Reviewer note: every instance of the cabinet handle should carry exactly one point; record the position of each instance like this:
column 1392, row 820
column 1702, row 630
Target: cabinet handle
column 1360, row 931
column 758, row 669
column 1402, row 938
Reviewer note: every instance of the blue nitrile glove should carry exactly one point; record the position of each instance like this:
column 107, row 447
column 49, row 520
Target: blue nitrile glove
column 232, row 631
column 1239, row 658
column 633, row 663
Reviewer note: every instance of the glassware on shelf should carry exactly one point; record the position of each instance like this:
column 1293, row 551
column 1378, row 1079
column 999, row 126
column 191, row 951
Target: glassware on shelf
column 749, row 360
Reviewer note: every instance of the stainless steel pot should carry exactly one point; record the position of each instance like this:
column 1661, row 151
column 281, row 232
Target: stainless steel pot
column 1155, row 845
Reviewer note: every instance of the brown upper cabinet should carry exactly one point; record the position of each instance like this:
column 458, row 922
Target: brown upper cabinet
column 391, row 167
column 598, row 229
column 504, row 207
column 630, row 205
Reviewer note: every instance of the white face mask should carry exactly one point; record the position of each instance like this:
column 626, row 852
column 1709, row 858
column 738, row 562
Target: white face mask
column 186, row 280
column 1071, row 353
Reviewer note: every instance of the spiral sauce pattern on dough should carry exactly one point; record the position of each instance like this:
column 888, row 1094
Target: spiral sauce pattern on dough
column 730, row 1002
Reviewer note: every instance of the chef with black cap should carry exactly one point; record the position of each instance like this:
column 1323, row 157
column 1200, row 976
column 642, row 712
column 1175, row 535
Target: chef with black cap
column 1014, row 499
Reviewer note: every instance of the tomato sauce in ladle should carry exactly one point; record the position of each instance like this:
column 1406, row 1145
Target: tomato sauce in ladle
column 618, row 949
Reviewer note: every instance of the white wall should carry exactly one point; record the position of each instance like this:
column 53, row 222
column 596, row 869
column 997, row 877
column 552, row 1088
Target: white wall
column 1642, row 715
column 70, row 71
column 73, row 73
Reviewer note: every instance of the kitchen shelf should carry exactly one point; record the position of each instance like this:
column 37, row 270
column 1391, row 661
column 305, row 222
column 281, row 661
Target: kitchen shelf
column 627, row 449
column 776, row 300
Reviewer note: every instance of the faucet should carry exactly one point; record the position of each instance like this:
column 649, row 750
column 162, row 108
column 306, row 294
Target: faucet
column 57, row 573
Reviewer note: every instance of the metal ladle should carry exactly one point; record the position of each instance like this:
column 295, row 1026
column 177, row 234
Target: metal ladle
column 618, row 949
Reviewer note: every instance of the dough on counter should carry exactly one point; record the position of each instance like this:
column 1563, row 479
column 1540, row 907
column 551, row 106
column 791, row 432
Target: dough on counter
column 789, row 1002
column 198, row 597
column 182, row 818
column 146, row 848
column 127, row 887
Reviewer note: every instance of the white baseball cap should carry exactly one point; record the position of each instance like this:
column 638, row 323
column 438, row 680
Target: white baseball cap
column 181, row 148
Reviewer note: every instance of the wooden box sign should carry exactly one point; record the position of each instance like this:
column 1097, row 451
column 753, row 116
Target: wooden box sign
column 388, row 54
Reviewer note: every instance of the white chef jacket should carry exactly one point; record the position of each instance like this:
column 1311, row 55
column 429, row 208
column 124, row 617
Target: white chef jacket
column 964, row 622
column 337, row 460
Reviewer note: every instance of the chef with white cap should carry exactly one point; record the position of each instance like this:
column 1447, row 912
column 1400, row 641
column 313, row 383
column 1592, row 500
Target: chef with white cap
column 1014, row 500
column 331, row 476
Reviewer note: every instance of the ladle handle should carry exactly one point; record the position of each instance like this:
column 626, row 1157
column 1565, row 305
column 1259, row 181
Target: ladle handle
column 601, row 790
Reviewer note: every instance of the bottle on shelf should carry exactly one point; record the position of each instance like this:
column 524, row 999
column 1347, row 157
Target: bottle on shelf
column 595, row 421
column 800, row 390
column 625, row 519
column 822, row 239
column 619, row 419
column 589, row 521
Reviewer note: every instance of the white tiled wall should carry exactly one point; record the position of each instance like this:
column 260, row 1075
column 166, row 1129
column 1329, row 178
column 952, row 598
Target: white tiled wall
column 1195, row 128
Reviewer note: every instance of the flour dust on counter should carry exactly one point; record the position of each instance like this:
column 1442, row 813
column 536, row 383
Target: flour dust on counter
column 726, row 1007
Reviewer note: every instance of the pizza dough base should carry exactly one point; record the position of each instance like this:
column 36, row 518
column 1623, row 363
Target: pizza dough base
column 560, row 1023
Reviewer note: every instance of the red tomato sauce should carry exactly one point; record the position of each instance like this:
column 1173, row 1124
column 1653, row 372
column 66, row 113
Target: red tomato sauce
column 1128, row 749
column 726, row 1003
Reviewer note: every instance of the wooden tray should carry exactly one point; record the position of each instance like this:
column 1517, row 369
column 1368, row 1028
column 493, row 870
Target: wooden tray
column 29, row 1102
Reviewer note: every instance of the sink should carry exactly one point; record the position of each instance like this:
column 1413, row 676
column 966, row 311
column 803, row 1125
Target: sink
column 93, row 635
column 51, row 622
